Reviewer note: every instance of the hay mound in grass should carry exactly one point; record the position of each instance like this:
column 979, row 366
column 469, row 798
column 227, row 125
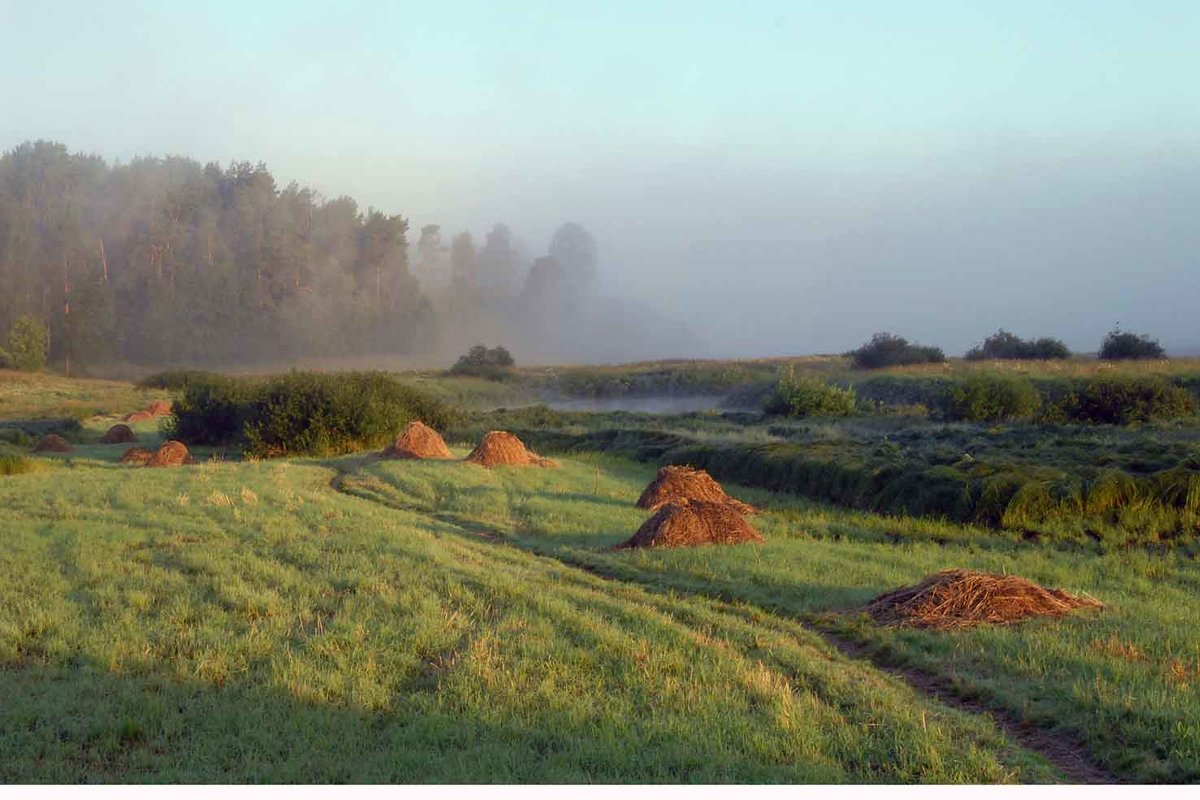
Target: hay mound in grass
column 171, row 454
column 418, row 440
column 52, row 443
column 498, row 448
column 138, row 416
column 693, row 522
column 959, row 598
column 159, row 408
column 136, row 455
column 677, row 483
column 119, row 434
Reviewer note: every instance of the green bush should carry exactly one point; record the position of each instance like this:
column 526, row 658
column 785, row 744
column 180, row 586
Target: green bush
column 809, row 397
column 886, row 350
column 1122, row 345
column 1004, row 345
column 493, row 363
column 175, row 379
column 303, row 413
column 993, row 398
column 27, row 345
column 1124, row 400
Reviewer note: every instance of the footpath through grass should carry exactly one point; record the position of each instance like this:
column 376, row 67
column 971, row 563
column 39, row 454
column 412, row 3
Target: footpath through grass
column 245, row 622
column 1125, row 682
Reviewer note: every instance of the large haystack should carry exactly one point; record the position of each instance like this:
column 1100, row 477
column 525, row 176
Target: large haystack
column 959, row 598
column 171, row 454
column 138, row 416
column 418, row 440
column 137, row 455
column 498, row 448
column 677, row 483
column 119, row 434
column 693, row 522
column 52, row 443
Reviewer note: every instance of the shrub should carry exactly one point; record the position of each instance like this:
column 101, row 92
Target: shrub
column 1122, row 345
column 175, row 379
column 27, row 345
column 886, row 350
column 1004, row 345
column 492, row 363
column 809, row 397
column 993, row 398
column 302, row 413
column 1120, row 401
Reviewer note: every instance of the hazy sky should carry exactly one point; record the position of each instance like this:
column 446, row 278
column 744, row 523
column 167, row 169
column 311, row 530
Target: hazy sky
column 791, row 176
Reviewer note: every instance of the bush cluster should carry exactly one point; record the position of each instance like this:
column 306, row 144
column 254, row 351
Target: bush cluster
column 27, row 345
column 1124, row 400
column 1122, row 345
column 493, row 363
column 993, row 398
column 1005, row 345
column 809, row 397
column 886, row 350
column 302, row 413
column 175, row 379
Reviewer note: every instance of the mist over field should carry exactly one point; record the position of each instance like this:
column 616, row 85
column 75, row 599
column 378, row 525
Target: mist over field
column 755, row 181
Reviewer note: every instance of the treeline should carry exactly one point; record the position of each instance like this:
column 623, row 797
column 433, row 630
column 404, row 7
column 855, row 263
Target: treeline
column 166, row 261
column 889, row 350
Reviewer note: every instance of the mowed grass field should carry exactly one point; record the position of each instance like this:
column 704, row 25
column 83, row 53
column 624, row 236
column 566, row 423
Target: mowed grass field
column 360, row 620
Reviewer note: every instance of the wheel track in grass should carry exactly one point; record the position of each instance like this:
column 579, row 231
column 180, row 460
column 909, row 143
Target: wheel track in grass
column 1064, row 750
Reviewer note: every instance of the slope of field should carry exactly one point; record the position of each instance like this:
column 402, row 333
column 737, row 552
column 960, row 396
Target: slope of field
column 1124, row 682
column 233, row 622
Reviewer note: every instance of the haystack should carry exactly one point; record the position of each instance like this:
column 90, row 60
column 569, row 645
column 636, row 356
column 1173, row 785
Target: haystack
column 159, row 408
column 52, row 443
column 138, row 416
column 959, row 598
column 136, row 455
column 675, row 483
column 171, row 454
column 418, row 440
column 693, row 522
column 119, row 434
column 502, row 448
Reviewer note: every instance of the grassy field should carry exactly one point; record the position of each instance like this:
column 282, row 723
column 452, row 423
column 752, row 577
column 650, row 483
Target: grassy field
column 355, row 620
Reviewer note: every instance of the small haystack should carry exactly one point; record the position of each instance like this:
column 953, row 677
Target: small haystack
column 959, row 598
column 119, row 434
column 673, row 484
column 52, row 443
column 137, row 455
column 502, row 448
column 138, row 416
column 689, row 523
column 418, row 440
column 159, row 408
column 171, row 454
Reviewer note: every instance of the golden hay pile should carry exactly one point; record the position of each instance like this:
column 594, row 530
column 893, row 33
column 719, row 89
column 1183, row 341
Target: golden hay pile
column 52, row 443
column 171, row 454
column 136, row 455
column 693, row 522
column 418, row 440
column 959, row 598
column 138, row 416
column 119, row 434
column 673, row 484
column 159, row 408
column 499, row 448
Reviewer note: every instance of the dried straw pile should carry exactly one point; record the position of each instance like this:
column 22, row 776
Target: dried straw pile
column 677, row 483
column 418, row 440
column 136, row 455
column 138, row 416
column 171, row 454
column 499, row 448
column 159, row 408
column 959, row 598
column 52, row 443
column 693, row 522
column 119, row 434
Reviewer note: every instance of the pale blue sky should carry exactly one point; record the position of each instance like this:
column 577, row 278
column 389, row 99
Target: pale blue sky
column 841, row 166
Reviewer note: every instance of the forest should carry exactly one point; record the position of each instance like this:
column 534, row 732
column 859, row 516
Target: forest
column 169, row 261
